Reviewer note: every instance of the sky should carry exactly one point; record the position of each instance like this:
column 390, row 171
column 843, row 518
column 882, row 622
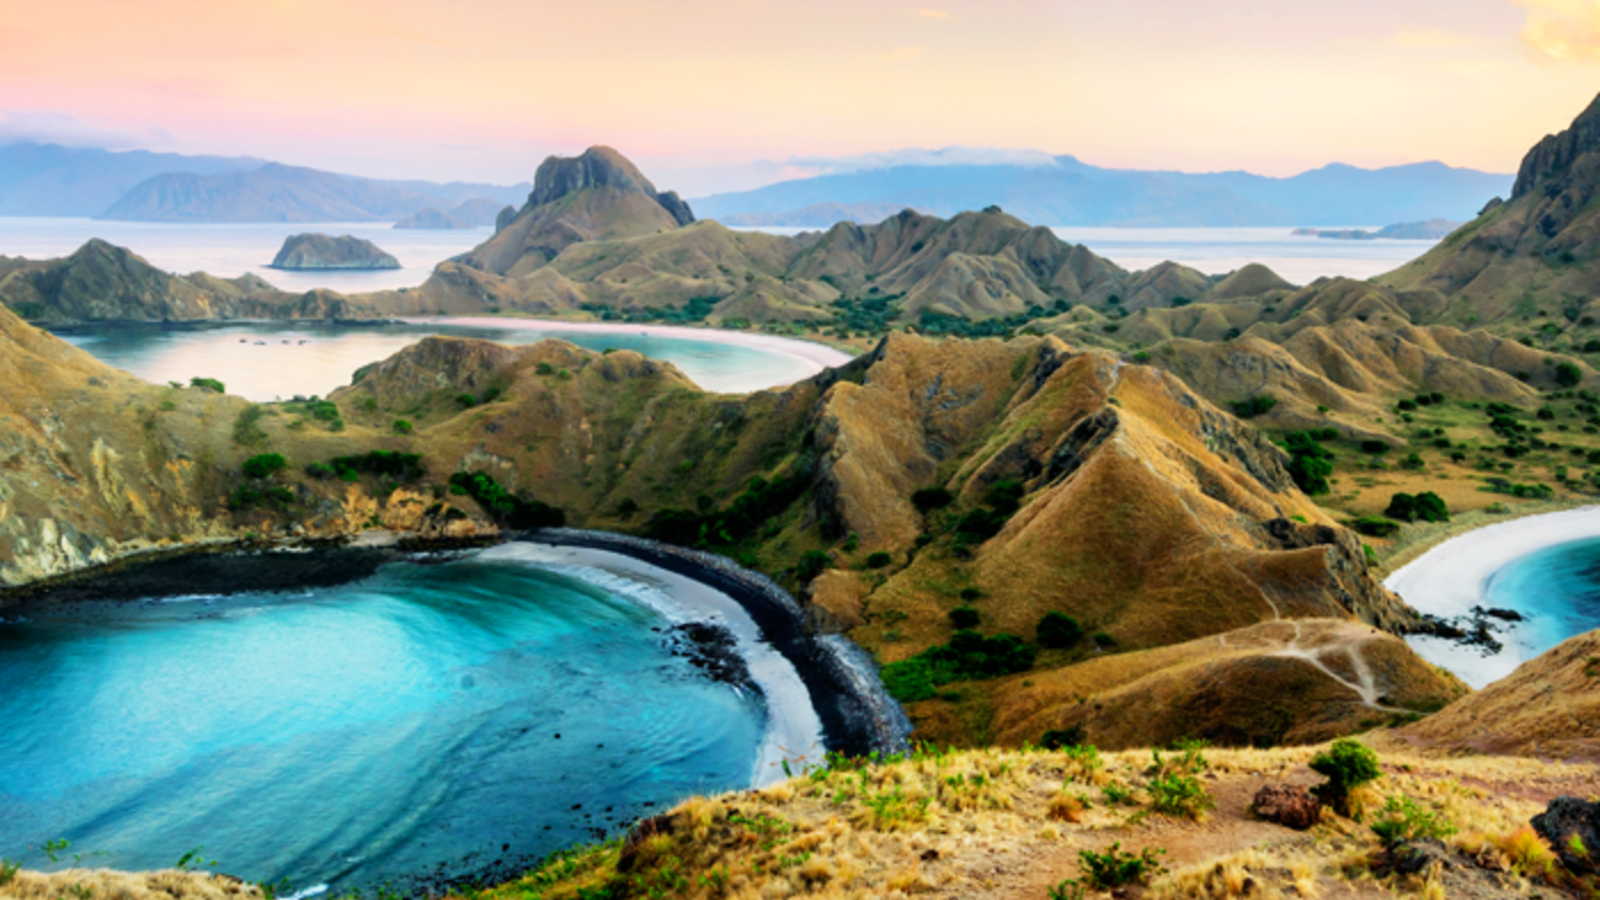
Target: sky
column 725, row 94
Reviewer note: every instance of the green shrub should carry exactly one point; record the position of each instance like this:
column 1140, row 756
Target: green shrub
column 1347, row 764
column 264, row 465
column 1404, row 820
column 1374, row 447
column 1058, row 631
column 964, row 617
column 391, row 463
column 544, row 368
column 1259, row 405
column 969, row 594
column 506, row 508
column 321, row 471
column 812, row 563
column 1406, row 406
column 1103, row 640
column 1062, row 738
column 1310, row 463
column 969, row 655
column 247, row 429
column 878, row 560
column 402, row 426
column 1114, row 868
column 208, row 384
column 466, row 400
column 1179, row 795
column 246, row 496
column 1375, row 526
column 1424, row 507
column 740, row 521
column 1568, row 375
column 927, row 500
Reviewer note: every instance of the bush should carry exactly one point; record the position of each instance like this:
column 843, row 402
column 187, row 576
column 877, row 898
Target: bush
column 1180, row 796
column 927, row 500
column 1568, row 375
column 970, row 594
column 247, row 429
column 878, row 560
column 1424, row 507
column 1406, row 406
column 812, row 563
column 1259, row 405
column 392, row 463
column 1061, row 738
column 964, row 618
column 264, row 465
column 1347, row 765
column 321, row 471
column 324, row 411
column 208, row 384
column 1113, row 868
column 968, row 655
column 466, row 400
column 402, row 426
column 1310, row 463
column 506, row 508
column 1404, row 820
column 1374, row 447
column 1058, row 631
column 1375, row 526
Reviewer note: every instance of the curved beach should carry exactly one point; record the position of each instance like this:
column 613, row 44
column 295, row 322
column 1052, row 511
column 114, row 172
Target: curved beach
column 1452, row 578
column 814, row 355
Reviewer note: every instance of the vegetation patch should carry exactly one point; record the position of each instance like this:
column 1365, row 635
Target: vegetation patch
column 969, row 655
column 506, row 508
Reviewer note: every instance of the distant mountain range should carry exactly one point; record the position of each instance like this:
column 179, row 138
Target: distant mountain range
column 1067, row 192
column 51, row 180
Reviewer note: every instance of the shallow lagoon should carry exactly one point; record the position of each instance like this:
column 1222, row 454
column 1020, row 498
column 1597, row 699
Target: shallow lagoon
column 434, row 718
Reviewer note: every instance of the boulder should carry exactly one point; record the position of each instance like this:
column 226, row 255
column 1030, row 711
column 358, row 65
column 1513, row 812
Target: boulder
column 1572, row 827
column 1291, row 806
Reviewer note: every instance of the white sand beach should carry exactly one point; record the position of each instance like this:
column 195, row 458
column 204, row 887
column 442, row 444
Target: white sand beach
column 1451, row 578
column 794, row 731
column 816, row 356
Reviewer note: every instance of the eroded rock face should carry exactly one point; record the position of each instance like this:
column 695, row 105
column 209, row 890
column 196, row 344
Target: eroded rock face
column 1557, row 152
column 559, row 176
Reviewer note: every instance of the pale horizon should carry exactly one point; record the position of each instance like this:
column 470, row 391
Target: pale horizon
column 712, row 95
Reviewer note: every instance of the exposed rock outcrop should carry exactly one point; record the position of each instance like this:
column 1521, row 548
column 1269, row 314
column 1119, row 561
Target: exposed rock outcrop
column 302, row 252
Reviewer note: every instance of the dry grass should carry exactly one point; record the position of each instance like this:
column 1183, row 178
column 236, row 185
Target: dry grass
column 102, row 884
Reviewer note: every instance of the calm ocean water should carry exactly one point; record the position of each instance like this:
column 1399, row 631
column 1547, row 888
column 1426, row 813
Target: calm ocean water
column 432, row 715
column 269, row 361
column 1557, row 589
column 232, row 250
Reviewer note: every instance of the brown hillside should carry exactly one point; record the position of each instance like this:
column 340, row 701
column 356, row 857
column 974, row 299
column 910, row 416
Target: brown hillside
column 1549, row 708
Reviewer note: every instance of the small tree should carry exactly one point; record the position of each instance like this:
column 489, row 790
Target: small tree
column 812, row 563
column 402, row 426
column 1568, row 375
column 964, row 617
column 878, row 559
column 929, row 499
column 1058, row 631
column 264, row 465
column 1348, row 764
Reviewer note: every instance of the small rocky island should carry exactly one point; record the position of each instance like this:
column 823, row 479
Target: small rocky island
column 431, row 219
column 307, row 252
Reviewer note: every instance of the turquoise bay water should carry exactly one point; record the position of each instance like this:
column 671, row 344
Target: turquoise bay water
column 1557, row 589
column 357, row 735
column 262, row 362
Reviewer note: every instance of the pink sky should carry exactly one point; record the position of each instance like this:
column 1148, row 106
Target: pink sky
column 694, row 89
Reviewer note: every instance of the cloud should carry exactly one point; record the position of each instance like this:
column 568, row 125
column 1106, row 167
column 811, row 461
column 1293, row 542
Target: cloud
column 930, row 13
column 57, row 127
column 1432, row 39
column 903, row 54
column 1563, row 30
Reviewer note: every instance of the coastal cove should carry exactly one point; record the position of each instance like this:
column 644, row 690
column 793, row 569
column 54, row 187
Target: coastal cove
column 265, row 361
column 1543, row 568
column 536, row 650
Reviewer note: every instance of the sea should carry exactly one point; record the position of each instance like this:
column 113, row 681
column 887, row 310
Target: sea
column 435, row 721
